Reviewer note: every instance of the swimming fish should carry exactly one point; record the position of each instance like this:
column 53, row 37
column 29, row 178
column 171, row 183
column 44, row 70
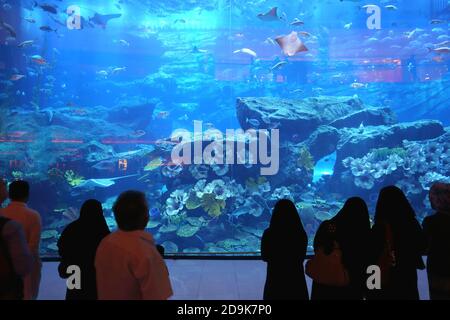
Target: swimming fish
column 437, row 21
column 122, row 42
column 25, row 44
column 47, row 29
column 16, row 77
column 30, row 20
column 247, row 51
column 102, row 73
column 38, row 59
column 391, row 7
column 162, row 114
column 8, row 28
column 305, row 34
column 47, row 7
column 441, row 50
column 297, row 22
column 271, row 15
column 253, row 122
column 348, row 26
column 438, row 59
column 154, row 164
column 117, row 70
column 357, row 85
column 137, row 134
column 278, row 65
column 270, row 41
column 291, row 44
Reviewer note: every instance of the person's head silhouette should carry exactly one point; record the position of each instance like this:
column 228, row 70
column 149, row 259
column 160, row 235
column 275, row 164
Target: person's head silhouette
column 393, row 207
column 19, row 191
column 440, row 197
column 285, row 217
column 131, row 211
column 354, row 214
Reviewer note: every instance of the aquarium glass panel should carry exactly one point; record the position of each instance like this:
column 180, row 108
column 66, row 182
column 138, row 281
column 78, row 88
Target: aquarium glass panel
column 216, row 109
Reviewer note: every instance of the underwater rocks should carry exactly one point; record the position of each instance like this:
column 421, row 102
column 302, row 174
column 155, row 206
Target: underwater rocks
column 296, row 117
column 136, row 116
column 322, row 142
column 366, row 117
column 356, row 142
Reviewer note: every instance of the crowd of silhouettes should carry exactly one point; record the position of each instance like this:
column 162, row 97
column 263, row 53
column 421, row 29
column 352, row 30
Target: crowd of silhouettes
column 127, row 263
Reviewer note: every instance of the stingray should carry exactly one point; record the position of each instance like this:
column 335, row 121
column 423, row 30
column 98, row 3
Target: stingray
column 102, row 19
column 271, row 15
column 291, row 44
column 101, row 183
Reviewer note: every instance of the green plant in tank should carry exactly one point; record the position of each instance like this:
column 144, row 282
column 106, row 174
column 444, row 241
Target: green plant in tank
column 305, row 159
column 384, row 153
column 193, row 202
column 212, row 205
column 17, row 175
column 253, row 184
column 72, row 178
column 187, row 230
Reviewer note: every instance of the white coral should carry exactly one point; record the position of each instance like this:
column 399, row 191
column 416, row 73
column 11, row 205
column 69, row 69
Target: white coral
column 176, row 202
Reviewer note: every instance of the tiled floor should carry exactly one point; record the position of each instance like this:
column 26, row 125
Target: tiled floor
column 200, row 280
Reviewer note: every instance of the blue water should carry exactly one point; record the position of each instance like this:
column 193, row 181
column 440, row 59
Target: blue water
column 92, row 113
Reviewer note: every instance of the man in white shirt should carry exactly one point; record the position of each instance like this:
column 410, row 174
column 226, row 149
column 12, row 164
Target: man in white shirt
column 127, row 263
column 30, row 221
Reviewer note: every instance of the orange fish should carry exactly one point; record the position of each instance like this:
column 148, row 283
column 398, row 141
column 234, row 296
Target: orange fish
column 438, row 59
column 38, row 59
column 16, row 77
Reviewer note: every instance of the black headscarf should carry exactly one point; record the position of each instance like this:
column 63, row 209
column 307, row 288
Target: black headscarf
column 352, row 233
column 79, row 241
column 393, row 207
column 285, row 219
column 285, row 237
column 78, row 245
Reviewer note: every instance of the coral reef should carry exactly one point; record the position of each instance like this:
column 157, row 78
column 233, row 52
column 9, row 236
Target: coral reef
column 416, row 166
column 73, row 179
column 175, row 203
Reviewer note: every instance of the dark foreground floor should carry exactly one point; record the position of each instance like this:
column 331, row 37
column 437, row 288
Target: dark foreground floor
column 201, row 279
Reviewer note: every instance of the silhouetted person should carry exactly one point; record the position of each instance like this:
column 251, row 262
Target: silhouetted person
column 77, row 246
column 437, row 233
column 350, row 231
column 397, row 237
column 30, row 220
column 283, row 247
column 3, row 192
column 15, row 260
column 127, row 263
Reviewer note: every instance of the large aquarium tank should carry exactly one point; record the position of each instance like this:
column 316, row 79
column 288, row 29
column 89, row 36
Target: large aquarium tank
column 216, row 109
